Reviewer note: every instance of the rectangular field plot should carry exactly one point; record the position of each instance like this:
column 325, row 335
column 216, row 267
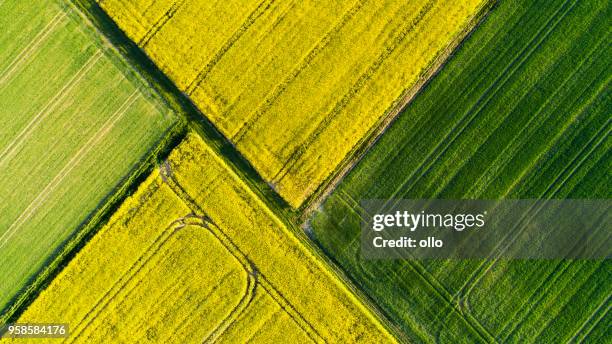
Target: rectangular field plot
column 297, row 86
column 194, row 256
column 73, row 127
column 522, row 111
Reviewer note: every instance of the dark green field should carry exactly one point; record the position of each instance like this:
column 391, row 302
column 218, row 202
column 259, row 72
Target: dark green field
column 521, row 111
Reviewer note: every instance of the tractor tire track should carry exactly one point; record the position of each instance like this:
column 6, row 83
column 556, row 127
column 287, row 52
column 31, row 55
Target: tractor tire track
column 73, row 162
column 132, row 271
column 280, row 88
column 567, row 173
column 605, row 303
column 10, row 150
column 503, row 77
column 538, row 118
column 251, row 19
column 238, row 253
column 27, row 52
column 160, row 23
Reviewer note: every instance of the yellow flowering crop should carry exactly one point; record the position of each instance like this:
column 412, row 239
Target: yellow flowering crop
column 194, row 255
column 296, row 86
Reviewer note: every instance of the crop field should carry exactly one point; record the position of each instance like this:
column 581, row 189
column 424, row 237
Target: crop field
column 521, row 111
column 297, row 86
column 73, row 129
column 194, row 255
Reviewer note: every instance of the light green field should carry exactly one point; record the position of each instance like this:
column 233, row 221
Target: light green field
column 73, row 129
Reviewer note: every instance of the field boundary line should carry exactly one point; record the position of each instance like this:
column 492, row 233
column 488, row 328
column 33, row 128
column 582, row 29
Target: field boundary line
column 87, row 229
column 23, row 135
column 531, row 47
column 75, row 160
column 403, row 145
column 469, row 114
column 25, row 53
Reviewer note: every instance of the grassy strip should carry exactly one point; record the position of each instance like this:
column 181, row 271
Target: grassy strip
column 141, row 65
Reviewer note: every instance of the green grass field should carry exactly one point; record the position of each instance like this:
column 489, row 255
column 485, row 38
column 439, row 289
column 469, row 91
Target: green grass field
column 75, row 126
column 520, row 111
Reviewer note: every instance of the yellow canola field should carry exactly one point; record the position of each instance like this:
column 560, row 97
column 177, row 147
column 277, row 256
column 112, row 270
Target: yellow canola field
column 194, row 256
column 297, row 86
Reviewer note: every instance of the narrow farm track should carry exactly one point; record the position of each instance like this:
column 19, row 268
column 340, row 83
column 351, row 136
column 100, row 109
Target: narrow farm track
column 289, row 65
column 31, row 48
column 507, row 72
column 403, row 145
column 74, row 161
column 446, row 139
column 430, row 301
column 9, row 151
column 61, row 86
